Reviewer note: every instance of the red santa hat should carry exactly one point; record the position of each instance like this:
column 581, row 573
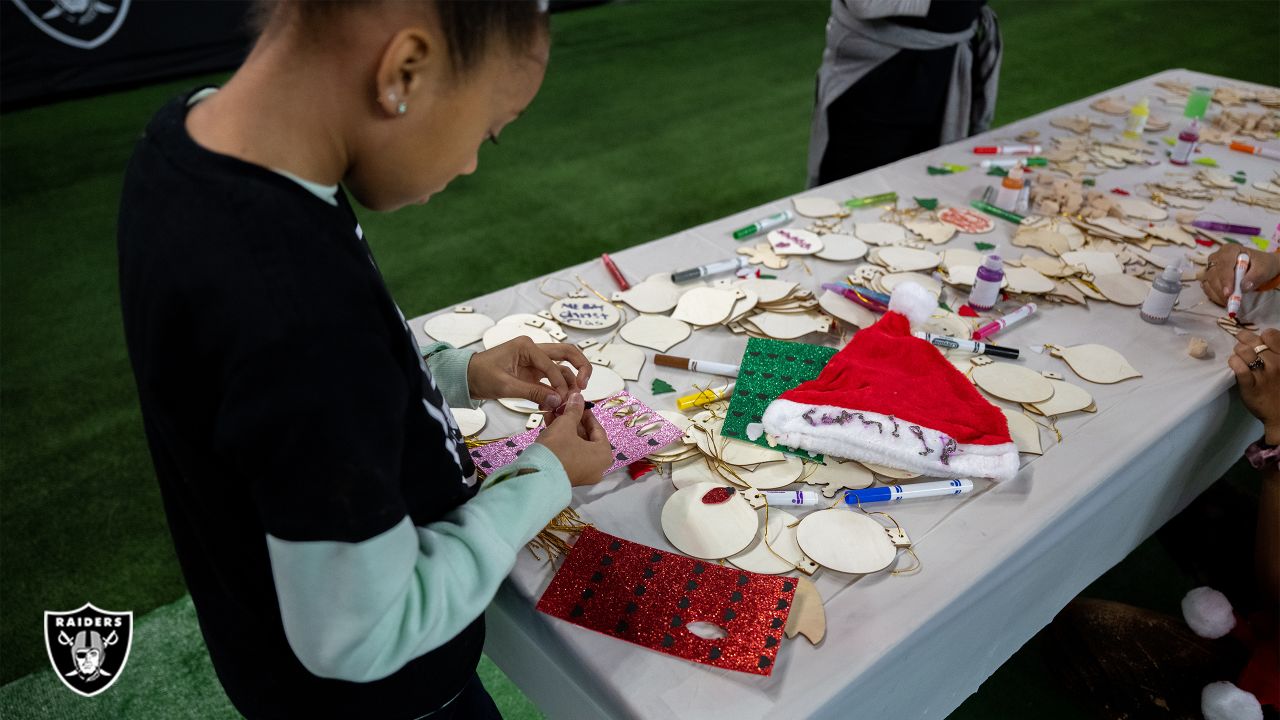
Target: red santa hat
column 891, row 398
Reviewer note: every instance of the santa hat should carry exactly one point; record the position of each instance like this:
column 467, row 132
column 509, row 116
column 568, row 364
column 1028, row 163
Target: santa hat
column 893, row 399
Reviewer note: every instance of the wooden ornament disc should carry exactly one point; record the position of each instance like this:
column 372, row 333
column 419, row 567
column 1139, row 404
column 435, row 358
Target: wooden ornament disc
column 794, row 241
column 692, row 472
column 585, row 313
column 816, row 207
column 1173, row 234
column 1097, row 364
column 1095, row 262
column 781, row 538
column 905, row 259
column 935, row 232
column 1050, row 241
column 851, row 312
column 657, row 294
column 846, row 541
column 470, row 421
column 880, row 233
column 966, row 275
column 841, row 248
column 892, row 473
column 626, row 360
column 768, row 290
column 519, row 405
column 657, row 332
column 836, row 476
column 1012, row 382
column 502, row 332
column 773, row 475
column 1141, row 209
column 1024, row 432
column 709, row 531
column 459, row 329
column 890, row 281
column 1027, row 280
column 966, row 221
column 1122, row 289
column 1117, row 227
column 1066, row 398
column 789, row 326
column 705, row 306
column 604, row 383
column 957, row 257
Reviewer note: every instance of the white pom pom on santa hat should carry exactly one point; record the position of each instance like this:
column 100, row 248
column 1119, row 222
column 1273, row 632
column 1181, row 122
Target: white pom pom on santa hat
column 1225, row 701
column 1208, row 612
column 913, row 301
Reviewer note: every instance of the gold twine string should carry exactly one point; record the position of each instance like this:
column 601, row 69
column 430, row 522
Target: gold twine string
column 549, row 540
column 542, row 287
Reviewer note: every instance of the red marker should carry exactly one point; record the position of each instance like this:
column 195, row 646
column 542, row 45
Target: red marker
column 615, row 272
column 1007, row 150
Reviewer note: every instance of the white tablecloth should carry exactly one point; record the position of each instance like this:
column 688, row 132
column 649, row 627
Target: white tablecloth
column 997, row 564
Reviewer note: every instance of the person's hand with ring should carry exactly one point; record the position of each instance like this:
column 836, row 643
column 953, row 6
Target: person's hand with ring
column 1256, row 364
column 1219, row 278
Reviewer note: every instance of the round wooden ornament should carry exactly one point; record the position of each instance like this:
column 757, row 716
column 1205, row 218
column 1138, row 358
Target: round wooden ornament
column 935, row 232
column 1027, row 280
column 793, row 241
column 1122, row 289
column 470, row 421
column 773, row 475
column 603, row 383
column 880, row 233
column 1012, row 382
column 774, row 550
column 502, row 332
column 816, row 207
column 846, row 541
column 1141, row 209
column 458, row 328
column 585, row 312
column 658, row 332
column 692, row 472
column 905, row 259
column 656, row 294
column 709, row 521
column 1095, row 363
column 851, row 312
column 841, row 248
column 768, row 290
column 966, row 221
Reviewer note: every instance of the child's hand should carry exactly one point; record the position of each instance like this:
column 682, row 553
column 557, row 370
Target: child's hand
column 514, row 369
column 579, row 442
column 1219, row 279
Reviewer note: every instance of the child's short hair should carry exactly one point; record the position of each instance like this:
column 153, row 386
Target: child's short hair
column 468, row 25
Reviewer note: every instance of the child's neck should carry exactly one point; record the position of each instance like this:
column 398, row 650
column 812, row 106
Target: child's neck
column 275, row 112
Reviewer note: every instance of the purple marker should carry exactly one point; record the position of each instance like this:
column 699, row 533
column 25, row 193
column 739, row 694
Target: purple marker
column 1227, row 227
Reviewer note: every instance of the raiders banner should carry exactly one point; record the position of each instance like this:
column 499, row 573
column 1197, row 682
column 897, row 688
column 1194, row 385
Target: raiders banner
column 54, row 49
column 88, row 647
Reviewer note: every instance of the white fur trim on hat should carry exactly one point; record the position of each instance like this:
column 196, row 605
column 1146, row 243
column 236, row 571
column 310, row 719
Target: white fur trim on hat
column 1225, row 701
column 885, row 440
column 914, row 302
column 1208, row 612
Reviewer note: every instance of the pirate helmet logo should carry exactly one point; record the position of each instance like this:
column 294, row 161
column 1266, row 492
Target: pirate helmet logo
column 83, row 24
column 88, row 647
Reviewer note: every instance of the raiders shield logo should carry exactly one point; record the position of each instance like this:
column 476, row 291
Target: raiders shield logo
column 84, row 24
column 88, row 647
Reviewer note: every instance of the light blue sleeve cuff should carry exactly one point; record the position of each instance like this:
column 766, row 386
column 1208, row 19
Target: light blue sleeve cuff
column 543, row 462
column 448, row 367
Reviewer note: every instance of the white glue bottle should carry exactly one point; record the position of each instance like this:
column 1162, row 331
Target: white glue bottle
column 986, row 286
column 1164, row 293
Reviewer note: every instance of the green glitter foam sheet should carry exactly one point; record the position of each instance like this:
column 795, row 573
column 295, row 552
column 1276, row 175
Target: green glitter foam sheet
column 768, row 369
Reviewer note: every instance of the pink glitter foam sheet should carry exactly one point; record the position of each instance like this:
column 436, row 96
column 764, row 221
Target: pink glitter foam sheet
column 634, row 429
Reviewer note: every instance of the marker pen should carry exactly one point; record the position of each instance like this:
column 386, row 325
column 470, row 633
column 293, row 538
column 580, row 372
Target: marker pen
column 866, row 298
column 973, row 346
column 715, row 268
column 1266, row 152
column 704, row 397
column 1237, row 297
column 617, row 275
column 1249, row 230
column 914, row 490
column 889, row 197
column 1012, row 318
column 1001, row 213
column 706, row 366
column 764, row 224
column 1015, row 149
column 1014, row 162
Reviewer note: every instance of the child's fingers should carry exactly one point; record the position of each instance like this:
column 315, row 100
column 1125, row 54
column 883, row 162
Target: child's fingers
column 574, row 356
column 532, row 355
column 592, row 429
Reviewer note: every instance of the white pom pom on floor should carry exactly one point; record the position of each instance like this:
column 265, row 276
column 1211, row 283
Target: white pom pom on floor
column 1208, row 612
column 1225, row 701
column 913, row 301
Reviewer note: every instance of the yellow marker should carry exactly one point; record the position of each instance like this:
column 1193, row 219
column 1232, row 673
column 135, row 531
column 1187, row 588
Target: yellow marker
column 706, row 396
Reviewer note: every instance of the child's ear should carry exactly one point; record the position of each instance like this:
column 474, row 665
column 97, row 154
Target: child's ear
column 414, row 59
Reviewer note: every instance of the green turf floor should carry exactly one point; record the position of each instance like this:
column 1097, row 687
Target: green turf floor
column 654, row 116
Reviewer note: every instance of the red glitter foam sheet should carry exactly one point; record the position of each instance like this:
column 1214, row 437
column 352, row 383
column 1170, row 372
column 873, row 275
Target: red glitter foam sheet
column 649, row 597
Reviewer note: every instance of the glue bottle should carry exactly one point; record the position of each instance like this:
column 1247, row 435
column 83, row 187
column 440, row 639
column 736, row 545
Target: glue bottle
column 986, row 286
column 1164, row 293
column 1137, row 120
column 1010, row 189
column 1187, row 140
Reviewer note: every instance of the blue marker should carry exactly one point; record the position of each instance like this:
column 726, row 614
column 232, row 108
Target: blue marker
column 894, row 493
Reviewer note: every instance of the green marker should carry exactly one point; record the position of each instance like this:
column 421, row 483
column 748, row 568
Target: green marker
column 1001, row 213
column 889, row 197
column 764, row 224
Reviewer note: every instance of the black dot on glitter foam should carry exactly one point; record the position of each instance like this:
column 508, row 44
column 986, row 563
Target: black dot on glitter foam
column 631, row 607
column 782, row 603
column 743, row 580
column 736, row 596
column 714, row 654
column 639, row 589
column 620, row 456
column 787, row 585
column 790, row 358
column 777, row 623
column 576, row 611
column 676, row 621
column 588, row 593
column 729, row 614
column 621, row 627
column 652, row 442
column 772, row 356
column 768, row 375
column 656, row 557
column 770, row 641
column 606, row 560
column 510, row 444
column 668, row 641
column 753, row 353
column 683, row 604
column 765, row 661
column 485, row 465
column 597, row 576
column 648, row 573
column 698, row 568
column 691, row 585
column 615, row 546
column 762, row 396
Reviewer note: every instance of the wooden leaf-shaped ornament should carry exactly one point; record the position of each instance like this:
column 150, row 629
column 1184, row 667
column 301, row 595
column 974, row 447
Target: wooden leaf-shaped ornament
column 1012, row 382
column 1024, row 431
column 1066, row 398
column 1096, row 363
column 658, row 332
column 657, row 294
column 458, row 328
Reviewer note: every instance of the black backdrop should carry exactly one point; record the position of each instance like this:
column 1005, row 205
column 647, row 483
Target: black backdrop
column 55, row 49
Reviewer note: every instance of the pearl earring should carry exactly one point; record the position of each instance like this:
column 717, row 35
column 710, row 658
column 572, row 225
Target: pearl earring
column 401, row 108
